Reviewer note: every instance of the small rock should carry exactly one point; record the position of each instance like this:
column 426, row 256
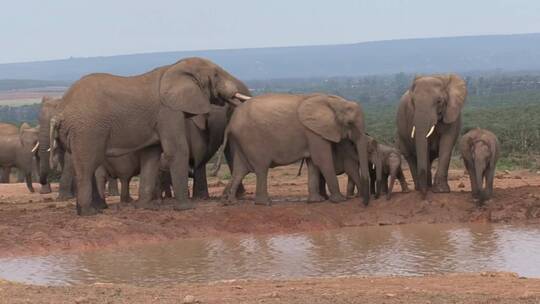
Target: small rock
column 238, row 287
column 517, row 177
column 506, row 172
column 81, row 300
column 189, row 299
column 390, row 295
column 461, row 185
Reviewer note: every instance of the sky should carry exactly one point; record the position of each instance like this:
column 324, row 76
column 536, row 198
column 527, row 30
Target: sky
column 32, row 30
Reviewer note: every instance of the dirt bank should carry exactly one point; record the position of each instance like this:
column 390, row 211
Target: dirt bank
column 35, row 224
column 457, row 288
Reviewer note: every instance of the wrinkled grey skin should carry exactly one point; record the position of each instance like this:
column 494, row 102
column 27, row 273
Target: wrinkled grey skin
column 105, row 115
column 279, row 129
column 16, row 151
column 480, row 151
column 389, row 158
column 431, row 101
column 50, row 108
column 346, row 161
column 6, row 129
column 206, row 134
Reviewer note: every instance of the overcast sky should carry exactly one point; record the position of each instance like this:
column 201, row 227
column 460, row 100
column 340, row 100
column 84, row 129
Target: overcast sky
column 40, row 30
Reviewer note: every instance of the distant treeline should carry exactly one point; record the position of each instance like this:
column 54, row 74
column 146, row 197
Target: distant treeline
column 507, row 104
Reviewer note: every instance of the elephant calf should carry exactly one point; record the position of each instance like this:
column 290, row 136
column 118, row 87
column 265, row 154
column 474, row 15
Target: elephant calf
column 389, row 160
column 18, row 150
column 480, row 151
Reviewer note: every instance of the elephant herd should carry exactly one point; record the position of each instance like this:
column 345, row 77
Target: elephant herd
column 166, row 124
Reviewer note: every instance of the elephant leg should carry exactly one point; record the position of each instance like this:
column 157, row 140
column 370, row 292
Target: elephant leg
column 101, row 181
column 446, row 146
column 148, row 178
column 86, row 157
column 228, row 152
column 350, row 187
column 472, row 177
column 321, row 155
column 240, row 171
column 490, row 176
column 5, row 173
column 372, row 181
column 112, row 186
column 167, row 184
column 261, row 192
column 21, row 176
column 384, row 186
column 124, row 190
column 173, row 135
column 411, row 161
column 402, row 181
column 98, row 201
column 315, row 182
column 391, row 186
column 28, row 179
column 429, row 175
column 200, row 183
column 353, row 177
column 67, row 181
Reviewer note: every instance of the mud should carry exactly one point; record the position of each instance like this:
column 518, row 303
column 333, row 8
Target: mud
column 36, row 224
column 456, row 288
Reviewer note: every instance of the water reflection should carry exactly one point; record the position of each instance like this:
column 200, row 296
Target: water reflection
column 399, row 250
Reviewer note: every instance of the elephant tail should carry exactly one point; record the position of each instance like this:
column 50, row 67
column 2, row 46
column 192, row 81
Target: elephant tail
column 217, row 164
column 300, row 168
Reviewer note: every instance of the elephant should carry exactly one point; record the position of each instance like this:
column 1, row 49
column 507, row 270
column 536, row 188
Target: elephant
column 49, row 108
column 388, row 159
column 104, row 115
column 19, row 150
column 480, row 151
column 279, row 129
column 428, row 125
column 6, row 129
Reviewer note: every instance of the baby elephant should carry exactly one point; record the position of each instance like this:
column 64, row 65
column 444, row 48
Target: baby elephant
column 480, row 151
column 385, row 162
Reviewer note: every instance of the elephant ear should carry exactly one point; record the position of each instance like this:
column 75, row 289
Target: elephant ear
column 315, row 114
column 457, row 92
column 180, row 91
column 24, row 127
column 199, row 121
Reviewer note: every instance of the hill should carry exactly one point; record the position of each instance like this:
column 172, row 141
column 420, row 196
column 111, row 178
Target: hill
column 458, row 54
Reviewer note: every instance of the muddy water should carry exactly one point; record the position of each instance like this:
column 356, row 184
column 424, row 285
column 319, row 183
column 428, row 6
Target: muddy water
column 388, row 250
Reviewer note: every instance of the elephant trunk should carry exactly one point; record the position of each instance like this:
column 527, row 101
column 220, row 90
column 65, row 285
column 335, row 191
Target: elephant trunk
column 362, row 150
column 43, row 151
column 422, row 129
column 378, row 173
column 479, row 168
column 53, row 135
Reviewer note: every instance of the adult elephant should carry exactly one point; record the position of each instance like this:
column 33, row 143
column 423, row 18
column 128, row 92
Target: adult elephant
column 280, row 129
column 19, row 150
column 428, row 122
column 49, row 108
column 6, row 129
column 107, row 115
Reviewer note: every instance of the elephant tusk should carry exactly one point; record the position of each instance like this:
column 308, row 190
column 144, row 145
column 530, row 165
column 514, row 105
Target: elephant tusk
column 35, row 147
column 49, row 150
column 430, row 131
column 241, row 97
column 412, row 133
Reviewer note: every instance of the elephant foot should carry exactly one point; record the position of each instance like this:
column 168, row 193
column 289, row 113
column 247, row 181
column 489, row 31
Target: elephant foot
column 126, row 200
column 388, row 196
column 240, row 191
column 113, row 193
column 87, row 210
column 183, row 206
column 441, row 188
column 337, row 198
column 264, row 200
column 148, row 205
column 100, row 205
column 45, row 189
column 64, row 197
column 201, row 196
column 316, row 198
column 31, row 190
